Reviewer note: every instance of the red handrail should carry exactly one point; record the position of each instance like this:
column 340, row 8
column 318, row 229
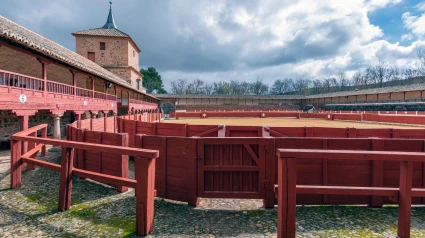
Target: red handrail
column 11, row 79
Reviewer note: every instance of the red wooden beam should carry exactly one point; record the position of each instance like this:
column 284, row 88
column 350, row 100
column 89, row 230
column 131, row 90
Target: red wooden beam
column 351, row 154
column 147, row 154
column 405, row 199
column 42, row 164
column 104, row 178
column 65, row 184
column 343, row 190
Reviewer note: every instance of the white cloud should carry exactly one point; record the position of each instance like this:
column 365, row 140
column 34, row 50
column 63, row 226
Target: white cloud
column 421, row 6
column 376, row 4
column 406, row 37
column 415, row 23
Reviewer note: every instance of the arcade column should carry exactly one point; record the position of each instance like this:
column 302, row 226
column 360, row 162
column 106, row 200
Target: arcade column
column 57, row 126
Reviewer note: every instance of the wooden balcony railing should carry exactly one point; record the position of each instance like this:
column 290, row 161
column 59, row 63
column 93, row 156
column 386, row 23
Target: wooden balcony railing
column 60, row 88
column 141, row 102
column 16, row 80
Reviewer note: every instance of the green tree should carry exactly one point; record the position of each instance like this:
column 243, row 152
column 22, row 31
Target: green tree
column 152, row 80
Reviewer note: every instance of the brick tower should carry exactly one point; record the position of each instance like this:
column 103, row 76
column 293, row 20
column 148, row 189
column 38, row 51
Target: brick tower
column 112, row 49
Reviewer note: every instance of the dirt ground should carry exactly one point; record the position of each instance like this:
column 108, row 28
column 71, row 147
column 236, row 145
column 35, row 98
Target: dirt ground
column 285, row 122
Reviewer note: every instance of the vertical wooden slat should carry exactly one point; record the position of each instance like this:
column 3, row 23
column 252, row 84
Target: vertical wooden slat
column 15, row 164
column 377, row 173
column 325, row 173
column 31, row 146
column 193, row 199
column 405, row 199
column 145, row 195
column 270, row 158
column 201, row 173
column 65, row 184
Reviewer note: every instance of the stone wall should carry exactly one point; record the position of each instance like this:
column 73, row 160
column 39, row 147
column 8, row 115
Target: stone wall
column 9, row 123
column 133, row 56
column 115, row 53
column 18, row 62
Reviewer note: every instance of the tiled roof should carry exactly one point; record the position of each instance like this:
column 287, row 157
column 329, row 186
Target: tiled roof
column 26, row 38
column 393, row 89
column 228, row 96
column 101, row 32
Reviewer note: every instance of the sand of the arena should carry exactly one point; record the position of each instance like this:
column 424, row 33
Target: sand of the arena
column 285, row 122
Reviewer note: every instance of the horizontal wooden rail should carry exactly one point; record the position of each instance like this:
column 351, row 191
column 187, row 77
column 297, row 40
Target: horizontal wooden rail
column 41, row 163
column 31, row 130
column 109, row 179
column 144, row 153
column 351, row 154
column 220, row 127
column 287, row 175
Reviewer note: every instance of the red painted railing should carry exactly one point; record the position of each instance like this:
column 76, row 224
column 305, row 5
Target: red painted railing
column 81, row 92
column 141, row 102
column 60, row 88
column 144, row 166
column 16, row 80
column 288, row 190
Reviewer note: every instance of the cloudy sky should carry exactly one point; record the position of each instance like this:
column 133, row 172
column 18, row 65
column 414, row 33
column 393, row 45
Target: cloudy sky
column 242, row 40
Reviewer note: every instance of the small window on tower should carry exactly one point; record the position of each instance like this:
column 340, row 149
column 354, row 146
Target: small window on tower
column 91, row 56
column 102, row 46
column 134, row 53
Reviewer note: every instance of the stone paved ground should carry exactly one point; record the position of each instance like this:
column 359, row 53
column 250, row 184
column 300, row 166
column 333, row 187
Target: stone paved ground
column 99, row 211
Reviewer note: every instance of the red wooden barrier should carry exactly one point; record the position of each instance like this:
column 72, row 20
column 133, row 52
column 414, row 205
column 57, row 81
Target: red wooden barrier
column 144, row 167
column 288, row 189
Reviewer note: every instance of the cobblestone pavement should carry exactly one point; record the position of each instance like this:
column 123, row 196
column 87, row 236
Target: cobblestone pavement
column 100, row 211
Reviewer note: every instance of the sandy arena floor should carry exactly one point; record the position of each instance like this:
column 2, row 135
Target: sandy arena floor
column 285, row 122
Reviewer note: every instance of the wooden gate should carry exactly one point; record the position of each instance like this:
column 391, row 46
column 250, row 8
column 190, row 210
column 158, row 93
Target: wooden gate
column 232, row 168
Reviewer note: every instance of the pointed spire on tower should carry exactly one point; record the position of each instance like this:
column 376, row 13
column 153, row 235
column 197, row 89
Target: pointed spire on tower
column 110, row 22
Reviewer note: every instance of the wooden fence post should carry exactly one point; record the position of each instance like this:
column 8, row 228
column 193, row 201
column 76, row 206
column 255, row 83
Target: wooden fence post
column 145, row 194
column 270, row 159
column 192, row 186
column 65, row 184
column 286, row 207
column 31, row 146
column 405, row 199
column 15, row 164
column 44, row 135
column 377, row 175
column 309, row 131
column 80, row 153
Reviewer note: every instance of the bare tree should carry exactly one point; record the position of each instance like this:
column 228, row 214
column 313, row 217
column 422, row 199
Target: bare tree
column 358, row 78
column 208, row 88
column 280, row 86
column 179, row 87
column 259, row 88
column 195, row 87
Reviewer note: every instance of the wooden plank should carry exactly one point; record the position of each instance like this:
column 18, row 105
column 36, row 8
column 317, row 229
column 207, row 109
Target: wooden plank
column 192, row 196
column 405, row 199
column 15, row 164
column 145, row 195
column 104, row 178
column 41, row 163
column 143, row 153
column 252, row 153
column 65, row 184
column 341, row 190
column 220, row 168
column 352, row 154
